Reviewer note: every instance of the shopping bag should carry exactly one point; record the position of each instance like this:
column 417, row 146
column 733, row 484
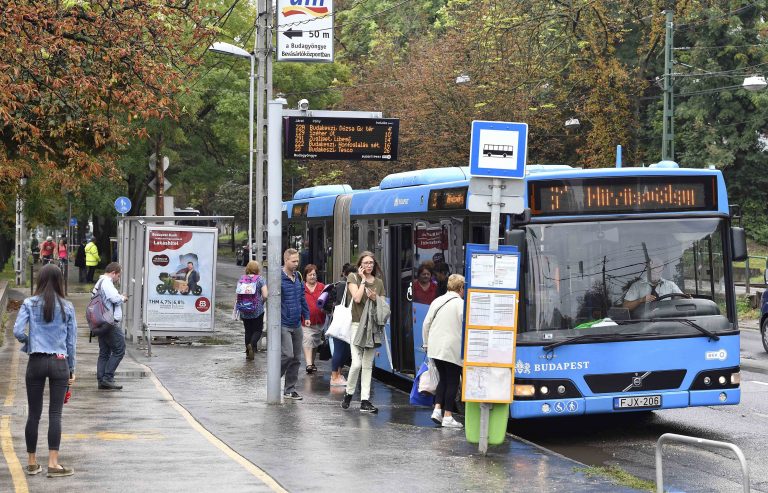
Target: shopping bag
column 429, row 379
column 341, row 323
column 417, row 398
column 324, row 351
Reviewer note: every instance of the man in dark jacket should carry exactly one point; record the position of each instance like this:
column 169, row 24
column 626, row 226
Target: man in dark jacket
column 293, row 307
column 80, row 261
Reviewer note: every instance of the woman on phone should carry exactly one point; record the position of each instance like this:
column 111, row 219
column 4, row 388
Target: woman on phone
column 363, row 286
column 50, row 343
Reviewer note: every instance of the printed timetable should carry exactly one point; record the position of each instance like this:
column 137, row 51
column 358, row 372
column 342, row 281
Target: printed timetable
column 341, row 138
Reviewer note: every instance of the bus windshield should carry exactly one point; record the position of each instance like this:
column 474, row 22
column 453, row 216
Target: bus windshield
column 580, row 274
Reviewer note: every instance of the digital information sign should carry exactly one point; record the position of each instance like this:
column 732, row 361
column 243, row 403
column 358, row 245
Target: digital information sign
column 623, row 195
column 341, row 138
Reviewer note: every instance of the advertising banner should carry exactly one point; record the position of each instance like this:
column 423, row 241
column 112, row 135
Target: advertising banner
column 180, row 276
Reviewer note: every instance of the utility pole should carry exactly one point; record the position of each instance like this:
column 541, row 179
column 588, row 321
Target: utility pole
column 668, row 130
column 262, row 50
column 160, row 177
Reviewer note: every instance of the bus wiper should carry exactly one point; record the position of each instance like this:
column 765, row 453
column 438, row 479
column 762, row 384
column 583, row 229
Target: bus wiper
column 596, row 337
column 684, row 321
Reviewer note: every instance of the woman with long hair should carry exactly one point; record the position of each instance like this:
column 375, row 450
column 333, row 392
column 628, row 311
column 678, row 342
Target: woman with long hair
column 251, row 294
column 363, row 286
column 50, row 343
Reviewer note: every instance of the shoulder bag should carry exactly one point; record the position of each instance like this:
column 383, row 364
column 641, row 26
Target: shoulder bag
column 341, row 323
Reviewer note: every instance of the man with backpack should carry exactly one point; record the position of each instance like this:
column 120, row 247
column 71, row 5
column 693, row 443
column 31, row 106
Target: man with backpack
column 112, row 341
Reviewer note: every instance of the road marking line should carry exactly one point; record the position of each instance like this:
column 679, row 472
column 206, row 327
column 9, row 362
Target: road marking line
column 11, row 395
column 14, row 466
column 759, row 383
column 249, row 466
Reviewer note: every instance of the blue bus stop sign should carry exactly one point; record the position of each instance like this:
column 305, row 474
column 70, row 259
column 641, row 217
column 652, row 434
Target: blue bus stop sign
column 73, row 221
column 122, row 205
column 498, row 149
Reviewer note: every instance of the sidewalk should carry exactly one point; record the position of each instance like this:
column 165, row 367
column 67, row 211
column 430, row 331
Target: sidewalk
column 158, row 433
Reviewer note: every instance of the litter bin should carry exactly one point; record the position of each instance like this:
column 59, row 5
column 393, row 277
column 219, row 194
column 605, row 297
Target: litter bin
column 497, row 423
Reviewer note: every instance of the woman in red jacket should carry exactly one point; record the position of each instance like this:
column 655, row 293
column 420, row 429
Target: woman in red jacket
column 313, row 328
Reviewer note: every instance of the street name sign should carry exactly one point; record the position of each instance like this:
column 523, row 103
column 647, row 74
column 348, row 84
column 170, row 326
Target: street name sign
column 305, row 31
column 498, row 149
column 341, row 138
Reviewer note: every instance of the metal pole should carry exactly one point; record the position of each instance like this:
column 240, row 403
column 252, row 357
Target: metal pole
column 668, row 131
column 250, row 163
column 274, row 237
column 746, row 274
column 260, row 53
column 20, row 253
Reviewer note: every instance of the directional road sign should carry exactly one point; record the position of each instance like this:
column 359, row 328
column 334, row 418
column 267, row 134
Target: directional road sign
column 305, row 31
column 166, row 184
column 498, row 149
column 122, row 205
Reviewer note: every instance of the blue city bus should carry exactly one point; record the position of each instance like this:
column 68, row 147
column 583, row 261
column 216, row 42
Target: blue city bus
column 589, row 239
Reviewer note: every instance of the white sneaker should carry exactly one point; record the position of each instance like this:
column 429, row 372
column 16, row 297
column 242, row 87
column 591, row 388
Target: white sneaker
column 437, row 416
column 449, row 422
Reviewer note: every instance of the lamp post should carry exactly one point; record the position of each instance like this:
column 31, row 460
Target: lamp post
column 232, row 50
column 20, row 232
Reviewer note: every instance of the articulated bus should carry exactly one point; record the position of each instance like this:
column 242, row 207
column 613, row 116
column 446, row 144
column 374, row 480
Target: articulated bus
column 587, row 238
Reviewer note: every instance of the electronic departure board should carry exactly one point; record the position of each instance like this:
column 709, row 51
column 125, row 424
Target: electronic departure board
column 341, row 138
column 619, row 195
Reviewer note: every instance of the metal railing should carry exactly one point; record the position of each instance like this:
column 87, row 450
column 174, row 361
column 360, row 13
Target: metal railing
column 672, row 437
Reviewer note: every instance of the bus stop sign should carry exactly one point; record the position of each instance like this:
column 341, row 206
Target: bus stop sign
column 498, row 149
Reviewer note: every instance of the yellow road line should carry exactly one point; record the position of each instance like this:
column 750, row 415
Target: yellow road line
column 11, row 395
column 256, row 471
column 6, row 443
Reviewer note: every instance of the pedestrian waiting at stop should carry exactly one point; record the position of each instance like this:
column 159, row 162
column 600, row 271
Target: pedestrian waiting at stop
column 112, row 342
column 293, row 309
column 80, row 262
column 92, row 259
column 442, row 333
column 50, row 342
column 251, row 294
column 341, row 351
column 366, row 289
column 312, row 326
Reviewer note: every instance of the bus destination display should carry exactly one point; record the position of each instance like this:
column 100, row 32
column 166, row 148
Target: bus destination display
column 341, row 138
column 623, row 195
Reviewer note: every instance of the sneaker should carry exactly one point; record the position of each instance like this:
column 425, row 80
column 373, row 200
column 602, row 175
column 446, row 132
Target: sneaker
column 367, row 407
column 293, row 395
column 34, row 469
column 346, row 401
column 437, row 416
column 249, row 352
column 60, row 472
column 339, row 382
column 449, row 422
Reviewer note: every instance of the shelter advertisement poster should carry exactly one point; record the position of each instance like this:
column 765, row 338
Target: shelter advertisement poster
column 180, row 274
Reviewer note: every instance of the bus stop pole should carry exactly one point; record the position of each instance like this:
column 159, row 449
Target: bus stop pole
column 493, row 245
column 274, row 237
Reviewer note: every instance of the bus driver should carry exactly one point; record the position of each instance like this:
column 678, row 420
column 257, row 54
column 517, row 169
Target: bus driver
column 645, row 290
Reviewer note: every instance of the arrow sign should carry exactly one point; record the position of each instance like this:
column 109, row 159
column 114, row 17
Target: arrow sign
column 153, row 185
column 292, row 33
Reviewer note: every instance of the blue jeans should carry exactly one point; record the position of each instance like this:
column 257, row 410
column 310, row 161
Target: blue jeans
column 341, row 354
column 111, row 352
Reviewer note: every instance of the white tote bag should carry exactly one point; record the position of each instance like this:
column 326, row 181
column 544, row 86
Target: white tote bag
column 429, row 379
column 341, row 323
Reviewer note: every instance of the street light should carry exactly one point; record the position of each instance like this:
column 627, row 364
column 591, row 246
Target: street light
column 236, row 51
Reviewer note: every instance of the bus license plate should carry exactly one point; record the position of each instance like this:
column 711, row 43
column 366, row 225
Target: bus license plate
column 637, row 401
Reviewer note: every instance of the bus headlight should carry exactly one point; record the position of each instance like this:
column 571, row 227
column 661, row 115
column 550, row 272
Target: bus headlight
column 707, row 381
column 721, row 380
column 544, row 390
column 736, row 378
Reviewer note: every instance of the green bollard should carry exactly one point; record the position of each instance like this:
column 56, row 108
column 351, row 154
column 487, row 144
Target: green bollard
column 497, row 423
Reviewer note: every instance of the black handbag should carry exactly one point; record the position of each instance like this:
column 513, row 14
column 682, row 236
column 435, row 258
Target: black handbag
column 324, row 350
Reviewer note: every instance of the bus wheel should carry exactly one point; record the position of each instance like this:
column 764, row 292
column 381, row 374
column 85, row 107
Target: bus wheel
column 504, row 155
column 160, row 288
column 487, row 154
column 764, row 333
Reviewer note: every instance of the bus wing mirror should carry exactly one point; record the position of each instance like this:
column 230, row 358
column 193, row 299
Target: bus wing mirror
column 739, row 242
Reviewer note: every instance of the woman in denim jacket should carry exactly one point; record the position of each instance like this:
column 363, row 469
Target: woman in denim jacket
column 50, row 343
